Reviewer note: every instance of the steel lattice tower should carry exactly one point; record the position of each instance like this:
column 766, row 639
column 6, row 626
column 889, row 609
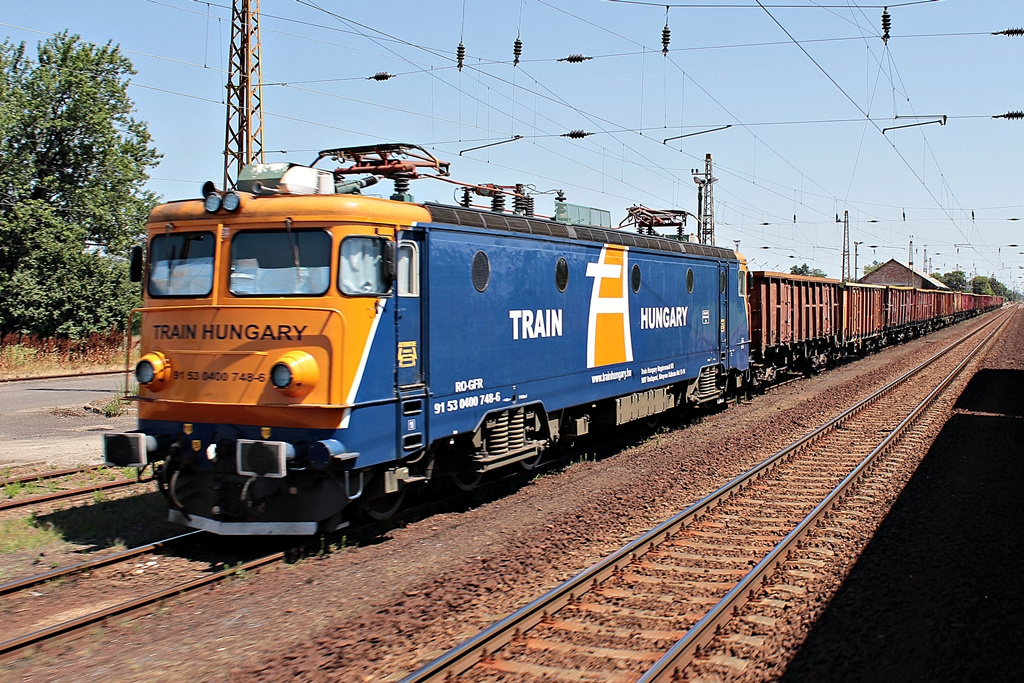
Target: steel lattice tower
column 243, row 141
column 705, row 203
column 846, row 247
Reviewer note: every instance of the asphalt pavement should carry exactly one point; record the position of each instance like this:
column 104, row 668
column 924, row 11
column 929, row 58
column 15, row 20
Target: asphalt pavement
column 49, row 421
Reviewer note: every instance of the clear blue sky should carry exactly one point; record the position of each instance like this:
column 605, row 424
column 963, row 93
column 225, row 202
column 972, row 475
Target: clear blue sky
column 807, row 88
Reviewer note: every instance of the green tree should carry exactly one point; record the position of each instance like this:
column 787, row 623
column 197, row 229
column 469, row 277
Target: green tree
column 73, row 164
column 955, row 280
column 998, row 288
column 980, row 285
column 871, row 267
column 807, row 270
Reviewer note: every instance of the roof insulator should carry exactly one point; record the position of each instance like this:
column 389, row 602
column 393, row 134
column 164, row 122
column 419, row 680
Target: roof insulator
column 666, row 36
column 886, row 25
column 460, row 55
column 517, row 51
column 1010, row 32
column 380, row 76
column 575, row 134
column 574, row 59
column 1015, row 115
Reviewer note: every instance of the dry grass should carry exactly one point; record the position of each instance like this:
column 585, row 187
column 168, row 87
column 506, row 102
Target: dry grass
column 30, row 356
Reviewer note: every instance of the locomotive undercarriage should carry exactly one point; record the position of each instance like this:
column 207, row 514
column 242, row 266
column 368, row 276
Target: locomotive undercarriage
column 307, row 500
column 523, row 434
column 228, row 502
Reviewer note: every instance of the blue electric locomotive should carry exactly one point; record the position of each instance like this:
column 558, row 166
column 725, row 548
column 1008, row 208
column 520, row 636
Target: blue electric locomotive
column 309, row 354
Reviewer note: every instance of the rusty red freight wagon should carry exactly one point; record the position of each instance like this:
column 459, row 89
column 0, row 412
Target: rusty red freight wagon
column 795, row 321
column 863, row 315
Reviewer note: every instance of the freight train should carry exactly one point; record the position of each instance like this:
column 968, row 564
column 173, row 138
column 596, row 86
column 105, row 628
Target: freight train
column 310, row 354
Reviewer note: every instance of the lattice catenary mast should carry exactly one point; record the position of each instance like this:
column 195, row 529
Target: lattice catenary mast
column 705, row 203
column 243, row 141
column 846, row 247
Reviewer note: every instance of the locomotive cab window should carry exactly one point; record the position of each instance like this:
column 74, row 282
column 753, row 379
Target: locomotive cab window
column 408, row 273
column 362, row 267
column 280, row 263
column 181, row 265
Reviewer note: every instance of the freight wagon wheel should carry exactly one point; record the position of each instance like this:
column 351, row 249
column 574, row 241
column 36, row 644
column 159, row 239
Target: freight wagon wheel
column 384, row 507
column 466, row 481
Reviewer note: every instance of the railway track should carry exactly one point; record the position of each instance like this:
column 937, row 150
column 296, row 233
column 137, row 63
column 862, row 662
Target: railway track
column 48, row 474
column 96, row 563
column 644, row 612
column 27, row 499
column 81, row 613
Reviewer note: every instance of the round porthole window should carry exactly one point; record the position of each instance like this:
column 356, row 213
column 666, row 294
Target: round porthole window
column 635, row 278
column 481, row 271
column 689, row 280
column 561, row 275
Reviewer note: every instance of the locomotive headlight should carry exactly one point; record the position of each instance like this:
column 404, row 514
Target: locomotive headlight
column 153, row 370
column 231, row 201
column 281, row 376
column 295, row 373
column 144, row 372
column 212, row 202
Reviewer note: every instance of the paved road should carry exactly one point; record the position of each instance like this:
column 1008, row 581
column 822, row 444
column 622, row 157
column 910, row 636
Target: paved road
column 53, row 393
column 44, row 420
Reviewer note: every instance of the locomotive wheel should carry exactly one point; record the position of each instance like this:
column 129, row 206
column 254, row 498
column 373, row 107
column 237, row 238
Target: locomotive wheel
column 384, row 507
column 466, row 481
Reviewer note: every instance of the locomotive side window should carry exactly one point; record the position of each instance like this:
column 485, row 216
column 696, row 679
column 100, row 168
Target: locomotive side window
column 408, row 269
column 635, row 278
column 362, row 267
column 481, row 271
column 280, row 263
column 689, row 280
column 181, row 265
column 721, row 282
column 742, row 282
column 561, row 275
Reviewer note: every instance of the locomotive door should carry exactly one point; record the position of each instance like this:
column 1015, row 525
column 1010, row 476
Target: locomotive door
column 723, row 314
column 409, row 374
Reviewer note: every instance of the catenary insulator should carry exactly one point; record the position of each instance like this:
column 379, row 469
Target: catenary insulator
column 460, row 55
column 574, row 59
column 401, row 181
column 886, row 25
column 666, row 36
column 517, row 51
column 380, row 76
column 1010, row 32
column 576, row 134
column 1015, row 115
column 498, row 202
column 519, row 201
column 466, row 195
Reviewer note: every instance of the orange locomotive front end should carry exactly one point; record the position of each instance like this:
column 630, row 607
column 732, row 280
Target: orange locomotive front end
column 264, row 318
